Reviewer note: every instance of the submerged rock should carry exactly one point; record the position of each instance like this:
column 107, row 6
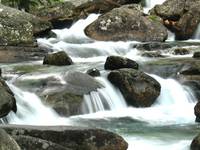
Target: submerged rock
column 68, row 137
column 7, row 142
column 195, row 145
column 138, row 89
column 181, row 51
column 153, row 54
column 7, row 100
column 58, row 59
column 68, row 100
column 117, row 62
column 94, row 72
column 126, row 23
column 196, row 55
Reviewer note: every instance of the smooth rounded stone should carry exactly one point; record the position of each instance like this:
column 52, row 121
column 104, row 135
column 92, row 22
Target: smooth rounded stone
column 195, row 145
column 57, row 59
column 126, row 23
column 152, row 54
column 79, row 138
column 138, row 88
column 197, row 111
column 81, row 83
column 7, row 100
column 196, row 55
column 34, row 143
column 94, row 72
column 7, row 142
column 181, row 51
column 117, row 62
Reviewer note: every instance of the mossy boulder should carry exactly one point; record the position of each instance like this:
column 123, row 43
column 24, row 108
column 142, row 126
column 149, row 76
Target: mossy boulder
column 18, row 28
column 126, row 23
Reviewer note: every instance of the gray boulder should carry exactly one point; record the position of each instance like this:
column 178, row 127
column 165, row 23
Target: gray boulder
column 7, row 100
column 138, row 88
column 125, row 24
column 195, row 145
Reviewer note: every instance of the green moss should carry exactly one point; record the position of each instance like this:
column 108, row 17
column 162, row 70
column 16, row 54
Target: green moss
column 154, row 18
column 28, row 68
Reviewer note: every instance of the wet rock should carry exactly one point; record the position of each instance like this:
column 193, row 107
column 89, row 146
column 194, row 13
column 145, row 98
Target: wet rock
column 117, row 62
column 152, row 46
column 196, row 55
column 126, row 23
column 57, row 59
column 59, row 14
column 18, row 28
column 197, row 111
column 181, row 51
column 181, row 17
column 138, row 89
column 64, row 103
column 28, row 142
column 152, row 54
column 94, row 72
column 190, row 70
column 11, row 54
column 68, row 100
column 81, row 83
column 7, row 142
column 195, row 145
column 71, row 137
column 7, row 100
column 0, row 73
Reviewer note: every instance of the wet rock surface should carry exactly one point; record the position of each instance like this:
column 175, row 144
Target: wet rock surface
column 66, row 138
column 138, row 89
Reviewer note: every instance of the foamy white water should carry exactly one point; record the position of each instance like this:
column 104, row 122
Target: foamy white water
column 108, row 98
column 151, row 3
column 31, row 111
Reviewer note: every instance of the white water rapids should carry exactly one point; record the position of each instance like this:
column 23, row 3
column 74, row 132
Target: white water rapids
column 174, row 106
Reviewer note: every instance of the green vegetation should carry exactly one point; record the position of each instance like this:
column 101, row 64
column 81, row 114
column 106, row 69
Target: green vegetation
column 28, row 4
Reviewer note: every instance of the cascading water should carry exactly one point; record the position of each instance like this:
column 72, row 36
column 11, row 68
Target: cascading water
column 151, row 3
column 31, row 111
column 107, row 98
column 197, row 33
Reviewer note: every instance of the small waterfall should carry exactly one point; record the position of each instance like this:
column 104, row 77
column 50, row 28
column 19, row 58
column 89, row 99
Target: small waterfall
column 151, row 3
column 197, row 33
column 108, row 98
column 31, row 111
column 175, row 105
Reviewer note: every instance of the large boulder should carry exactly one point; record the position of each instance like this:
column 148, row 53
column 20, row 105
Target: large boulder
column 78, row 138
column 180, row 16
column 195, row 145
column 58, row 59
column 127, row 23
column 7, row 142
column 117, row 62
column 138, row 88
column 7, row 100
column 17, row 27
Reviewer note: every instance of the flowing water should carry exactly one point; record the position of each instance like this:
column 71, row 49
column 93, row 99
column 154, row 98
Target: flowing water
column 168, row 124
